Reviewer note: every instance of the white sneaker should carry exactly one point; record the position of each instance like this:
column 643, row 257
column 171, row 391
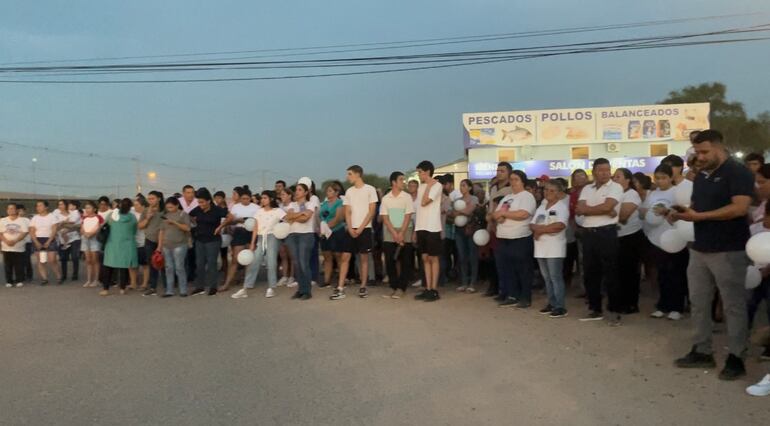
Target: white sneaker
column 657, row 314
column 19, row 285
column 760, row 389
column 283, row 281
column 470, row 290
column 292, row 283
column 314, row 284
column 240, row 294
column 386, row 280
column 8, row 285
column 270, row 292
column 461, row 288
column 417, row 283
column 674, row 316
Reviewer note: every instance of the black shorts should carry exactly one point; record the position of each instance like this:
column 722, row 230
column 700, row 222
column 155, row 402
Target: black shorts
column 141, row 255
column 336, row 241
column 241, row 237
column 430, row 243
column 360, row 245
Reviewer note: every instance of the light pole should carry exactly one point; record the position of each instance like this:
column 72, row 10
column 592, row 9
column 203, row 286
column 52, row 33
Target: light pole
column 34, row 176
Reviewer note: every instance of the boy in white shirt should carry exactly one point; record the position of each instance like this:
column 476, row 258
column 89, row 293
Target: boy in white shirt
column 428, row 228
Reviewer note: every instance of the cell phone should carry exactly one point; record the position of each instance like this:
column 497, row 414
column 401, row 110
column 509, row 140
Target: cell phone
column 679, row 209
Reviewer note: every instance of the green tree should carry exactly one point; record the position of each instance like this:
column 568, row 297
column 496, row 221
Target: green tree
column 741, row 132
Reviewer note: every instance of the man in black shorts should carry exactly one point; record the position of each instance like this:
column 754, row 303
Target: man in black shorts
column 428, row 227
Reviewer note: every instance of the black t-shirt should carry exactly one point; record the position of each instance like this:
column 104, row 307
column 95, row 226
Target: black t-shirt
column 711, row 192
column 207, row 222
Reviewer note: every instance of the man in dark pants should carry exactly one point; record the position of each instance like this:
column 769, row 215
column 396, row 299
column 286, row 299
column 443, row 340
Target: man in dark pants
column 188, row 203
column 396, row 213
column 599, row 203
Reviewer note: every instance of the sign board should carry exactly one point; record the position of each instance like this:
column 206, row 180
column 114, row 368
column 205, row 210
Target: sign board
column 562, row 168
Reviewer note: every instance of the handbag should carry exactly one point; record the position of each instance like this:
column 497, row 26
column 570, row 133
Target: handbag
column 103, row 234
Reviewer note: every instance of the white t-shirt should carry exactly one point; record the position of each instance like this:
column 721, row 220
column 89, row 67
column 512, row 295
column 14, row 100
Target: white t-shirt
column 634, row 222
column 187, row 208
column 551, row 245
column 12, row 229
column 359, row 200
column 267, row 219
column 510, row 228
column 43, row 225
column 239, row 211
column 307, row 227
column 594, row 196
column 455, row 195
column 72, row 217
column 140, row 236
column 429, row 217
column 396, row 209
column 654, row 198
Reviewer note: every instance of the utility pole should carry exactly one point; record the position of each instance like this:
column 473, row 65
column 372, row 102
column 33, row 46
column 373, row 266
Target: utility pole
column 138, row 173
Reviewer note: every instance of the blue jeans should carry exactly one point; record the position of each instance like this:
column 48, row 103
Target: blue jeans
column 206, row 255
column 70, row 253
column 175, row 264
column 552, row 270
column 267, row 246
column 301, row 248
column 467, row 257
column 513, row 258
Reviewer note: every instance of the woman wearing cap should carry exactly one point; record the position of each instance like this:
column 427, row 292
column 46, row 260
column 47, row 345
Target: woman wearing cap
column 120, row 259
column 237, row 216
column 300, row 216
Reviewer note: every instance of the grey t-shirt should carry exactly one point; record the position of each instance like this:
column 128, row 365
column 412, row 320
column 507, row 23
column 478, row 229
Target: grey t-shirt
column 174, row 237
column 153, row 227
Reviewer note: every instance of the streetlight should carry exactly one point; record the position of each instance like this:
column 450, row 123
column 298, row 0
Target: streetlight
column 739, row 155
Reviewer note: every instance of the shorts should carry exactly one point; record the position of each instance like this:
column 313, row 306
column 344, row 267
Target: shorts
column 90, row 244
column 53, row 247
column 241, row 237
column 336, row 241
column 430, row 243
column 141, row 255
column 360, row 245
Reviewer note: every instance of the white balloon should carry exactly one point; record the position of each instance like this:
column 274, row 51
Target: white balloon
column 672, row 242
column 758, row 248
column 460, row 205
column 685, row 229
column 249, row 224
column 753, row 277
column 683, row 195
column 653, row 219
column 245, row 257
column 461, row 220
column 281, row 230
column 481, row 237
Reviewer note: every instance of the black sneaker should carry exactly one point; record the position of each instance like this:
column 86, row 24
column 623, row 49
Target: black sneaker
column 695, row 359
column 615, row 320
column 500, row 298
column 593, row 316
column 523, row 305
column 60, row 281
column 44, row 282
column 183, row 295
column 165, row 295
column 734, row 368
column 630, row 310
column 363, row 293
column 323, row 285
column 558, row 313
column 306, row 296
column 296, row 295
column 509, row 302
column 432, row 296
column 212, row 291
column 422, row 295
column 149, row 292
column 197, row 291
column 547, row 310
column 765, row 354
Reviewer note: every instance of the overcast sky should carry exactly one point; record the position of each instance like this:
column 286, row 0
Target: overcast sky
column 317, row 127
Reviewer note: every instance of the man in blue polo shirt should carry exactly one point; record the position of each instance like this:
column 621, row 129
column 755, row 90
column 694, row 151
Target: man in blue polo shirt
column 720, row 203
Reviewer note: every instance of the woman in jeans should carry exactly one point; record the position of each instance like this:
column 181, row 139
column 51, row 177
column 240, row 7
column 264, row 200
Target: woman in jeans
column 300, row 216
column 241, row 211
column 515, row 246
column 467, row 252
column 172, row 242
column 68, row 236
column 549, row 226
column 264, row 245
column 120, row 259
column 208, row 221
column 632, row 242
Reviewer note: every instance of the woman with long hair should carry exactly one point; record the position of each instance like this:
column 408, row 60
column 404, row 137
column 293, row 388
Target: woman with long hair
column 150, row 222
column 237, row 216
column 140, row 204
column 467, row 252
column 173, row 240
column 300, row 216
column 120, row 258
column 68, row 236
column 286, row 197
column 42, row 229
column 632, row 242
column 90, row 226
column 333, row 215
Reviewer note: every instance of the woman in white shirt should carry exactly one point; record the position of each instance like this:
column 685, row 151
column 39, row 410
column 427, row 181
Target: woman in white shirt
column 264, row 245
column 672, row 267
column 42, row 229
column 467, row 251
column 140, row 203
column 300, row 216
column 515, row 247
column 549, row 225
column 237, row 216
column 631, row 241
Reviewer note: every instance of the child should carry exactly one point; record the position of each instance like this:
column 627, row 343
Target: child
column 91, row 224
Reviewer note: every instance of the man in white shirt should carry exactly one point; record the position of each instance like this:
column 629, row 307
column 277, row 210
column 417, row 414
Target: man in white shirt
column 13, row 232
column 188, row 203
column 360, row 204
column 428, row 228
column 396, row 214
column 599, row 204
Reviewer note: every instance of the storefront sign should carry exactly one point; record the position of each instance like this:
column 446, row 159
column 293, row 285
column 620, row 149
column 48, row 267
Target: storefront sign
column 563, row 168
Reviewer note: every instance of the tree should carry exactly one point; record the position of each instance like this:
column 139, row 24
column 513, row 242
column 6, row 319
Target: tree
column 740, row 131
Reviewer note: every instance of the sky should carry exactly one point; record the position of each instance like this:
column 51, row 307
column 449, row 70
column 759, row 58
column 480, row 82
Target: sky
column 318, row 127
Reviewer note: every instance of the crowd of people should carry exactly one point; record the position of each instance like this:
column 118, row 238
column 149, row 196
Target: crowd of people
column 512, row 234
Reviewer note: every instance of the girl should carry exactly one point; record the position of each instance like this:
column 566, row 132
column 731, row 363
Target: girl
column 287, row 263
column 263, row 244
column 92, row 222
column 300, row 216
column 333, row 215
column 672, row 267
column 631, row 241
column 549, row 225
column 237, row 216
column 467, row 252
column 172, row 242
column 120, row 258
column 42, row 229
column 140, row 204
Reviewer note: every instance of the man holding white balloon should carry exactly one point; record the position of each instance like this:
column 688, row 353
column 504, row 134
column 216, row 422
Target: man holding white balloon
column 719, row 207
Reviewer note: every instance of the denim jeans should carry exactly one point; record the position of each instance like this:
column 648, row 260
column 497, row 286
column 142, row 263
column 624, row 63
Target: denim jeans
column 72, row 252
column 149, row 249
column 551, row 268
column 301, row 248
column 513, row 258
column 467, row 257
column 175, row 264
column 206, row 255
column 267, row 246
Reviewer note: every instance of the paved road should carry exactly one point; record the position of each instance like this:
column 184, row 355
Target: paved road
column 70, row 357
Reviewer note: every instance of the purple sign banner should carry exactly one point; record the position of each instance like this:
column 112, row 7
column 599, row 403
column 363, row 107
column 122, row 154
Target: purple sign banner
column 563, row 168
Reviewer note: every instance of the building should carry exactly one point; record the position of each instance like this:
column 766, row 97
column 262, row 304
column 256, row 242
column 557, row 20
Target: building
column 555, row 142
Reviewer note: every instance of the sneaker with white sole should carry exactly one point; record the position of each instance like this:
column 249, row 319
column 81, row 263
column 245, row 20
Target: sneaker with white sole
column 269, row 292
column 19, row 285
column 461, row 288
column 417, row 283
column 292, row 283
column 470, row 290
column 657, row 314
column 240, row 294
column 8, row 285
column 762, row 388
column 338, row 294
column 283, row 281
column 314, row 284
column 674, row 316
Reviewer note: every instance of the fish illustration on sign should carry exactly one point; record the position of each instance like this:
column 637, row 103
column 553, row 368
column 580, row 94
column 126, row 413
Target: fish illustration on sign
column 517, row 134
